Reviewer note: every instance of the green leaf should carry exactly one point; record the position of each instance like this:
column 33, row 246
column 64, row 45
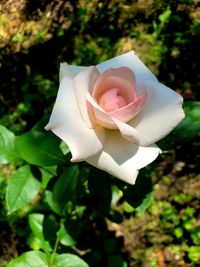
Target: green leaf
column 36, row 221
column 128, row 208
column 36, row 224
column 69, row 260
column 65, row 186
column 39, row 259
column 18, row 263
column 145, row 203
column 65, row 238
column 178, row 232
column 7, row 145
column 187, row 130
column 164, row 17
column 30, row 259
column 48, row 198
column 40, row 148
column 139, row 194
column 22, row 189
column 194, row 253
column 64, row 148
column 47, row 173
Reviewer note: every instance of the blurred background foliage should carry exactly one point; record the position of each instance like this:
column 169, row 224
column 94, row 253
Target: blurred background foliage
column 35, row 36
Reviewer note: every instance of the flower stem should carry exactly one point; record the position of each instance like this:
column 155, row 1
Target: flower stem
column 54, row 251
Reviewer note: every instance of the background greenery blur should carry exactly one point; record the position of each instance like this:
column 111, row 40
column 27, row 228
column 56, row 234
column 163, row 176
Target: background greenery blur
column 35, row 36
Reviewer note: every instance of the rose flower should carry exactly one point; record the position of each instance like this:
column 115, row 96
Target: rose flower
column 111, row 115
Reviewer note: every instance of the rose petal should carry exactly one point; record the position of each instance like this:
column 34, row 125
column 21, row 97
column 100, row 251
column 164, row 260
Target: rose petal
column 65, row 71
column 125, row 88
column 160, row 114
column 131, row 61
column 66, row 122
column 122, row 158
column 109, row 122
column 101, row 116
column 122, row 78
column 84, row 82
column 131, row 110
column 127, row 132
column 76, row 69
column 124, row 73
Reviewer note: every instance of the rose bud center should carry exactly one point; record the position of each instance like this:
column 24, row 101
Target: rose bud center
column 111, row 100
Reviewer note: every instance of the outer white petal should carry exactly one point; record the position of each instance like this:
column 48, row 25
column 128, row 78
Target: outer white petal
column 67, row 123
column 84, row 82
column 65, row 71
column 76, row 69
column 70, row 71
column 121, row 158
column 131, row 61
column 160, row 114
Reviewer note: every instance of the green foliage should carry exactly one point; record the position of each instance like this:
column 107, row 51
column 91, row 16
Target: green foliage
column 64, row 237
column 36, row 221
column 39, row 148
column 38, row 259
column 139, row 195
column 194, row 253
column 7, row 146
column 65, row 187
column 68, row 260
column 22, row 189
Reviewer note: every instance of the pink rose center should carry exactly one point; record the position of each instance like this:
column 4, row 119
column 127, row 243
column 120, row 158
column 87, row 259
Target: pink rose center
column 111, row 100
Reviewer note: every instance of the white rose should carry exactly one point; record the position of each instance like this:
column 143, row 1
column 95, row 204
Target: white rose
column 111, row 115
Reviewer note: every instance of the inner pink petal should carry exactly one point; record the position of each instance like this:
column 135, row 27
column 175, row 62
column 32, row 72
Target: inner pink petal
column 127, row 90
column 111, row 100
column 129, row 111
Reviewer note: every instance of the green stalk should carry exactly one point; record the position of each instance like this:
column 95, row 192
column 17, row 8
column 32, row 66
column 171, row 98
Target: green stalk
column 54, row 251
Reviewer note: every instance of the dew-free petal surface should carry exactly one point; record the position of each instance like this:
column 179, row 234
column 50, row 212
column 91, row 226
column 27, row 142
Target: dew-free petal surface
column 65, row 71
column 122, row 158
column 84, row 82
column 105, row 120
column 160, row 114
column 66, row 122
column 131, row 61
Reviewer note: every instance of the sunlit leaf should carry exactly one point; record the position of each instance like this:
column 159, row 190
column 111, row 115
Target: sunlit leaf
column 47, row 173
column 64, row 237
column 36, row 221
column 22, row 189
column 145, row 203
column 40, row 148
column 194, row 253
column 48, row 198
column 7, row 146
column 30, row 259
column 69, row 260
